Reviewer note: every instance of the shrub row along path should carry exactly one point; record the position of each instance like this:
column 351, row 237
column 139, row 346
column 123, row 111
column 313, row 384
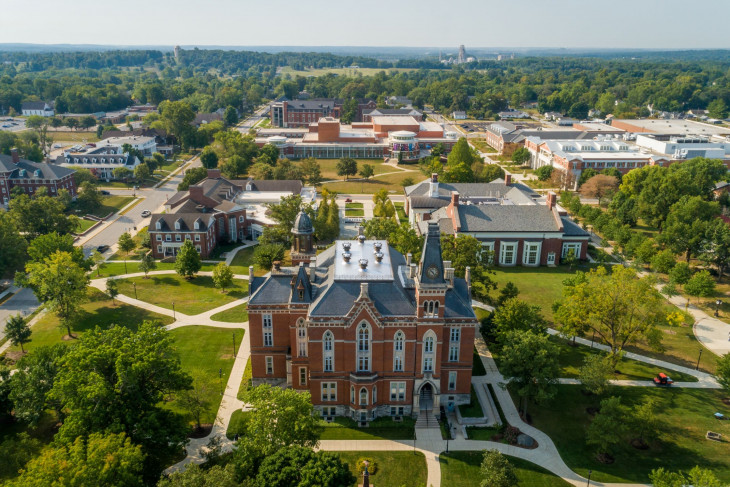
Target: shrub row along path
column 428, row 441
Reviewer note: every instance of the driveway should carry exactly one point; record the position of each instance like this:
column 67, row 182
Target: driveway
column 23, row 302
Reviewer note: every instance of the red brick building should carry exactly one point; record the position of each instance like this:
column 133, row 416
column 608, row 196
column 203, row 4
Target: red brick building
column 31, row 176
column 366, row 331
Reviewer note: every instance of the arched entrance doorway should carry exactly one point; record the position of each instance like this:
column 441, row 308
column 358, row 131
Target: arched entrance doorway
column 425, row 397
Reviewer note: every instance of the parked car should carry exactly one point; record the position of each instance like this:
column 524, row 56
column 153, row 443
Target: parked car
column 102, row 248
column 146, row 213
column 348, row 200
column 105, row 192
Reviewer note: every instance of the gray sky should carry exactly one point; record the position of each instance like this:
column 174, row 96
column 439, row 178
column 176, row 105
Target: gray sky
column 674, row 24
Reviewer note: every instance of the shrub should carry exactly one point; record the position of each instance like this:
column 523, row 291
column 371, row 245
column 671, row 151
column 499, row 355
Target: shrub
column 372, row 465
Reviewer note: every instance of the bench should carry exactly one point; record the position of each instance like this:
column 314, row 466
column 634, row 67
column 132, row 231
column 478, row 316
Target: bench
column 711, row 435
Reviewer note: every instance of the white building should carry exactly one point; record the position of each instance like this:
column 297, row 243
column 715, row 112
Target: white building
column 146, row 145
column 101, row 161
column 686, row 147
column 37, row 108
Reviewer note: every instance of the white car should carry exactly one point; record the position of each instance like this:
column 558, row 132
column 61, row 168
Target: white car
column 146, row 213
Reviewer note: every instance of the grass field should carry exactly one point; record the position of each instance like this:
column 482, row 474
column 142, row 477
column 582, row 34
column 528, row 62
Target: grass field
column 379, row 429
column 97, row 311
column 354, row 212
column 400, row 211
column 190, row 297
column 473, row 409
column 461, row 469
column 203, row 352
column 481, row 145
column 395, row 468
column 109, row 204
column 72, row 136
column 391, row 183
column 84, row 225
column 237, row 314
column 684, row 415
column 328, row 167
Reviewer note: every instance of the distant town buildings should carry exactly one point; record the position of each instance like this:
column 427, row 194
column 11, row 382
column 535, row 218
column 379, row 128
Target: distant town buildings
column 37, row 108
column 146, row 145
column 31, row 176
column 300, row 113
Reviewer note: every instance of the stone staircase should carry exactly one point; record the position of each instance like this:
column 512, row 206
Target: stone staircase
column 426, row 419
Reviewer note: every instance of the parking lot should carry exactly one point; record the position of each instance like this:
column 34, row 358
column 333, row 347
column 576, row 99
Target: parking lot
column 11, row 124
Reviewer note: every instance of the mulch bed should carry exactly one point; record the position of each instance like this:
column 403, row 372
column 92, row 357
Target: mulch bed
column 204, row 431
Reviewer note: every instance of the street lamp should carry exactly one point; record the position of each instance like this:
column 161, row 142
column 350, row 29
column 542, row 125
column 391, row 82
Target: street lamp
column 589, row 478
column 234, row 344
column 173, row 311
column 698, row 360
column 717, row 307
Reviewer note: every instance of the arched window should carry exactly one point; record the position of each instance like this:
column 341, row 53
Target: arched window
column 302, row 338
column 375, row 394
column 363, row 397
column 399, row 339
column 328, row 346
column 429, row 351
column 363, row 338
column 328, row 340
column 435, row 308
column 352, row 394
column 428, row 344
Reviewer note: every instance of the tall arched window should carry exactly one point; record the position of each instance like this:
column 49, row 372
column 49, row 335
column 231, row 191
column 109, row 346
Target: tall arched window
column 428, row 344
column 363, row 348
column 328, row 351
column 398, row 351
column 328, row 341
column 301, row 338
column 352, row 394
column 399, row 339
column 363, row 397
column 429, row 351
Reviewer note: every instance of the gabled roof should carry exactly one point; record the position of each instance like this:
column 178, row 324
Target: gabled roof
column 35, row 105
column 47, row 171
column 186, row 219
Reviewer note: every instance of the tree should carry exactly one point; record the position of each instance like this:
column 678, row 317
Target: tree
column 458, row 173
column 663, row 261
column 530, row 362
column 697, row 477
column 461, row 153
column 101, row 459
column 261, row 170
column 586, row 174
column 509, row 291
column 176, row 117
column 311, row 171
column 619, row 307
column 268, row 154
column 112, row 289
column 209, row 158
column 281, row 417
column 346, row 167
column 117, row 378
column 196, row 400
column 264, row 255
column 59, row 283
column 680, row 274
column 383, row 207
column 717, row 253
column 147, row 263
column 515, row 314
column 142, row 172
column 723, row 371
column 688, row 224
column 594, row 373
column 230, row 116
column 717, row 108
column 31, row 385
column 83, row 175
column 497, row 471
column 299, row 466
column 645, row 252
column 17, row 331
column 197, row 476
column 609, row 426
column 599, row 186
column 122, row 173
column 187, row 262
column 39, row 125
column 407, row 182
column 521, row 156
column 89, row 198
column 222, row 276
column 12, row 245
column 367, row 171
column 126, row 244
column 544, row 173
column 645, row 423
column 233, row 166
column 192, row 176
column 285, row 213
column 700, row 285
column 40, row 215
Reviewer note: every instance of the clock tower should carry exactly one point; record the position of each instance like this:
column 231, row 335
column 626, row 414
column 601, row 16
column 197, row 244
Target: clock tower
column 431, row 278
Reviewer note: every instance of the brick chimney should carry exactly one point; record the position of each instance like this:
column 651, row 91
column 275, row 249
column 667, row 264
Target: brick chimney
column 196, row 193
column 508, row 179
column 455, row 198
column 433, row 185
column 214, row 173
column 14, row 155
column 551, row 200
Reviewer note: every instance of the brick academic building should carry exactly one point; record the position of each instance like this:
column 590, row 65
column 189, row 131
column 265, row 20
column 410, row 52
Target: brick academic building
column 31, row 176
column 366, row 331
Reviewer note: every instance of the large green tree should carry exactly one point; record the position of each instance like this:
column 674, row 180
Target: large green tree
column 497, row 471
column 40, row 215
column 609, row 426
column 346, row 167
column 12, row 245
column 116, row 380
column 197, row 476
column 33, row 381
column 44, row 246
column 688, row 225
column 187, row 262
column 296, row 466
column 17, row 331
column 176, row 117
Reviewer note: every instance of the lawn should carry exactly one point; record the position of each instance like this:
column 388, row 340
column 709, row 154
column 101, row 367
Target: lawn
column 109, row 204
column 238, row 314
column 353, row 206
column 395, row 468
column 384, row 428
column 571, row 358
column 64, row 136
column 400, row 210
column 237, row 424
column 190, row 297
column 541, row 286
column 390, row 183
column 482, row 146
column 203, row 352
column 482, row 433
column 685, row 416
column 244, row 258
column 461, row 469
column 97, row 311
column 245, row 380
column 473, row 409
column 477, row 368
column 328, row 167
column 354, row 212
column 84, row 225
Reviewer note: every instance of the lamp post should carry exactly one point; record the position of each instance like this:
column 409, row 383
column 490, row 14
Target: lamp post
column 234, row 344
column 135, row 289
column 717, row 307
column 173, row 311
column 589, row 478
column 698, row 360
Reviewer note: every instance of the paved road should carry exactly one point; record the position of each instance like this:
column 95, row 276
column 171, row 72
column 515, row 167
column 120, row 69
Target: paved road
column 23, row 302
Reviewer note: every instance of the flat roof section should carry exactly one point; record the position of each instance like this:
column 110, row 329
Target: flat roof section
column 353, row 271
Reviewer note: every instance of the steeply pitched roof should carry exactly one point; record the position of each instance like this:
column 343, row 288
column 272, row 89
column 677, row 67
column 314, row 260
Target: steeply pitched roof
column 34, row 105
column 47, row 171
column 186, row 219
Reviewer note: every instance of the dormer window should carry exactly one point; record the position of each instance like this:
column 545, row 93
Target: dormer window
column 196, row 225
column 158, row 225
column 177, row 224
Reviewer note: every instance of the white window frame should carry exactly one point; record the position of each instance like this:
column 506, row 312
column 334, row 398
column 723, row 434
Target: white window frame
column 397, row 391
column 362, row 397
column 453, row 353
column 489, row 246
column 329, row 391
column 302, row 376
column 504, row 248
column 268, row 339
column 452, row 380
column 364, row 348
column 269, row 365
column 398, row 363
column 531, row 253
column 455, row 335
column 567, row 246
column 267, row 320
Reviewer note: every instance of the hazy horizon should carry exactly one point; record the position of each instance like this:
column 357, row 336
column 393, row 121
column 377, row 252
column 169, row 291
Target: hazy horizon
column 521, row 24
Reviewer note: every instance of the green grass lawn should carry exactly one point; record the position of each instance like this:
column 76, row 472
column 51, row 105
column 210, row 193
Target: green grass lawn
column 97, row 311
column 245, row 380
column 400, row 211
column 84, row 225
column 481, row 145
column 391, row 183
column 571, row 359
column 111, row 204
column 203, row 352
column 354, row 212
column 379, row 429
column 685, row 416
column 190, row 297
column 482, row 433
column 473, row 409
column 237, row 424
column 353, row 206
column 395, row 468
column 477, row 368
column 461, row 469
column 238, row 314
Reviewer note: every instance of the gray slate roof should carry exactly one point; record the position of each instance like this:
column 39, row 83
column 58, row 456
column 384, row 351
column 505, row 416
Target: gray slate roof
column 47, row 171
